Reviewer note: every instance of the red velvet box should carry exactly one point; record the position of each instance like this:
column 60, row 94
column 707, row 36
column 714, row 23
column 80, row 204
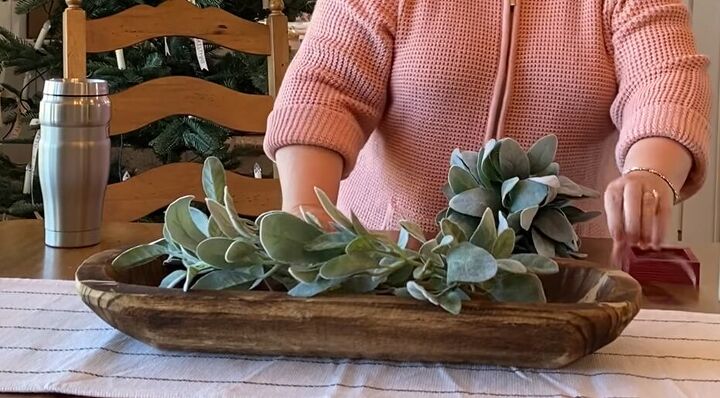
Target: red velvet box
column 669, row 265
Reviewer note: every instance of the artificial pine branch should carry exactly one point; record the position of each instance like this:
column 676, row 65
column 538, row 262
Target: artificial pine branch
column 25, row 6
column 147, row 61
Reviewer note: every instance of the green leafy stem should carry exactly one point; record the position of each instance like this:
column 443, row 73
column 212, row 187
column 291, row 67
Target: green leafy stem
column 474, row 256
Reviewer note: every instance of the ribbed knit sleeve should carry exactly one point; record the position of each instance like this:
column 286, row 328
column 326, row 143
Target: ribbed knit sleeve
column 335, row 90
column 664, row 88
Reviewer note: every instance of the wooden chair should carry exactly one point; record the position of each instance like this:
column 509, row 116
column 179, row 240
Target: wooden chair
column 168, row 96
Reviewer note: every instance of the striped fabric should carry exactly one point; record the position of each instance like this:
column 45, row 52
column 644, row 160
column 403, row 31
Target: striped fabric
column 50, row 342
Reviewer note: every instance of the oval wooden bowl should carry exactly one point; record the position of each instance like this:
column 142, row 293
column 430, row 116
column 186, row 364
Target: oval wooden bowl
column 365, row 326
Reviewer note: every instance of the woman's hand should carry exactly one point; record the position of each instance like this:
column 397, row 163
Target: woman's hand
column 639, row 208
column 302, row 168
column 639, row 204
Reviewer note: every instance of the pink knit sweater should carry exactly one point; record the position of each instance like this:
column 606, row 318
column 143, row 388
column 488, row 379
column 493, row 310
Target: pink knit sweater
column 395, row 85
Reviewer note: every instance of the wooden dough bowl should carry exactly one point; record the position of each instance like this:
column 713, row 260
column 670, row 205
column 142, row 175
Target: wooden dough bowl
column 365, row 326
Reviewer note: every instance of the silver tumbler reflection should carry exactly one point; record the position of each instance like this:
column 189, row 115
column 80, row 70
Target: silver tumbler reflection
column 74, row 159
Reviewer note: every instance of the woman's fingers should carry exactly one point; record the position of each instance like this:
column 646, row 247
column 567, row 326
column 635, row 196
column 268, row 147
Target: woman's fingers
column 662, row 221
column 632, row 211
column 648, row 217
column 614, row 210
column 638, row 208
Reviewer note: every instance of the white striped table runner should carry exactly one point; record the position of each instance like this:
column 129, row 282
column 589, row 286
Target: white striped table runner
column 50, row 342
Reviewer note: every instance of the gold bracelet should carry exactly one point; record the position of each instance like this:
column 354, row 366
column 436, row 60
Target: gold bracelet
column 659, row 174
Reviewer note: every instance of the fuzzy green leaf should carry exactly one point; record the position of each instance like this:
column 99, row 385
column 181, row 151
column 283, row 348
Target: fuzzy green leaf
column 446, row 243
column 226, row 279
column 414, row 230
column 330, row 241
column 527, row 216
column 310, row 218
column 212, row 251
column 575, row 215
column 569, row 188
column 468, row 160
column 173, row 279
column 512, row 266
column 214, row 230
column 490, row 169
column 181, row 227
column 553, row 224
column 242, row 253
column 473, row 202
column 527, row 194
column 190, row 275
column 451, row 302
column 450, row 228
column 466, row 223
column 173, row 247
column 507, row 186
column 551, row 196
column 220, row 216
column 441, row 214
column 543, row 245
column 536, row 263
column 553, row 169
column 470, row 264
column 403, row 238
column 313, row 289
column 284, row 237
column 418, row 292
column 542, row 153
column 426, row 252
column 245, row 228
column 201, row 220
column 490, row 146
column 347, row 265
column 518, row 288
column 360, row 244
column 504, row 244
column 138, row 255
column 550, row 181
column 486, row 233
column 333, row 211
column 399, row 277
column 513, row 160
column 502, row 223
column 447, row 191
column 213, row 179
column 513, row 220
column 360, row 284
column 304, row 275
column 357, row 225
column 461, row 180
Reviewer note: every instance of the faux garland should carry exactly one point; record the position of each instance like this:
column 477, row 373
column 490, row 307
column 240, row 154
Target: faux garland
column 473, row 255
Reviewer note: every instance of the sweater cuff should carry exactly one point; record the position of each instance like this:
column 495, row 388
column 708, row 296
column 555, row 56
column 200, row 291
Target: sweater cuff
column 315, row 126
column 681, row 124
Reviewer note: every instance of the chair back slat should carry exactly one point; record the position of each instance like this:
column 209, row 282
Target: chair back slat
column 155, row 189
column 278, row 23
column 179, row 95
column 74, row 43
column 177, row 18
column 176, row 95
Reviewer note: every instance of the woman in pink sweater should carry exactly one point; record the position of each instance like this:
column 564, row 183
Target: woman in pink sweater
column 382, row 91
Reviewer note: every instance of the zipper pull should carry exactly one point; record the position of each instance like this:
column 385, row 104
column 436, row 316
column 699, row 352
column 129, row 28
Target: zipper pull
column 513, row 3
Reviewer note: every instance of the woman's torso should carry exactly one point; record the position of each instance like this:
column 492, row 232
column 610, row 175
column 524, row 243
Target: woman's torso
column 452, row 77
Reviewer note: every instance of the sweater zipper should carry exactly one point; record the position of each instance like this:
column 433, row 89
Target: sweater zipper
column 504, row 80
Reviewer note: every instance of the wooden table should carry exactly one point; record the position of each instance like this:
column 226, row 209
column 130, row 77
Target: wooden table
column 24, row 255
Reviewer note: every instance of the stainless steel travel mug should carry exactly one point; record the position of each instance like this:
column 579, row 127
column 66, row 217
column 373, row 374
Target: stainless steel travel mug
column 74, row 160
